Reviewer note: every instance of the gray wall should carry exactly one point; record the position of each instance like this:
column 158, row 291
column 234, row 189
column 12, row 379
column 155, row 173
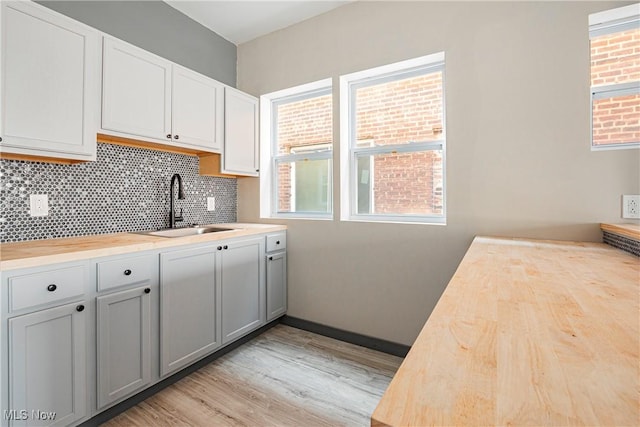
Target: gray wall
column 518, row 160
column 157, row 27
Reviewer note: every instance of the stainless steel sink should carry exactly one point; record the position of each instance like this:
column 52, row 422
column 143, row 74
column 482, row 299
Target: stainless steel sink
column 187, row 231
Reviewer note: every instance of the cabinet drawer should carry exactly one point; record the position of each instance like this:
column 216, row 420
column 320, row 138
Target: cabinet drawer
column 32, row 290
column 277, row 241
column 124, row 271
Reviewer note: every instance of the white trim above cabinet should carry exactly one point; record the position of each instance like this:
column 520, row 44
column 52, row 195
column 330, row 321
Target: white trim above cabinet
column 50, row 84
column 240, row 155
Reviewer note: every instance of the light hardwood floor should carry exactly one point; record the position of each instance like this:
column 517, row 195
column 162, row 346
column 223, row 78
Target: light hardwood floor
column 284, row 377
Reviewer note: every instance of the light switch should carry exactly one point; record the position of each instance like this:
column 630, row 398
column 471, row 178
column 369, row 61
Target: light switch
column 211, row 203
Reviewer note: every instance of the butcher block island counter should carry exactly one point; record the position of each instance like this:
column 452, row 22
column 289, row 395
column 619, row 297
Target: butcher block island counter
column 526, row 333
column 35, row 253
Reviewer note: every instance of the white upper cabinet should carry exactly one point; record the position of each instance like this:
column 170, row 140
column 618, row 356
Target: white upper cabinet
column 147, row 96
column 240, row 156
column 197, row 109
column 136, row 91
column 50, row 86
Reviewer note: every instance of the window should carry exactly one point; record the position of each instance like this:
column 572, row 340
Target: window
column 615, row 78
column 393, row 142
column 298, row 124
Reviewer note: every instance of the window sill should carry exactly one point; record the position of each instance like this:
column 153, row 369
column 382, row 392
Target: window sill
column 382, row 220
column 615, row 147
column 303, row 217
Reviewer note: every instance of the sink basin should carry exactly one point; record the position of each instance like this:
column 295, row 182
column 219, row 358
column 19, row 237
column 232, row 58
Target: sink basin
column 187, row 231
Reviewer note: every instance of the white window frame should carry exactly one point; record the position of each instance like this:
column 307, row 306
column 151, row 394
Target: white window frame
column 269, row 157
column 609, row 22
column 349, row 152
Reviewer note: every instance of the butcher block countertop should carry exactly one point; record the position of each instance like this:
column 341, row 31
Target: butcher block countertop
column 526, row 333
column 34, row 253
column 631, row 231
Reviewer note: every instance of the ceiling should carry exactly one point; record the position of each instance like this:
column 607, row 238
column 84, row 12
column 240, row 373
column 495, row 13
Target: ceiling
column 240, row 21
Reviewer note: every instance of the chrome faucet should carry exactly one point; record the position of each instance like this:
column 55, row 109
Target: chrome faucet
column 173, row 218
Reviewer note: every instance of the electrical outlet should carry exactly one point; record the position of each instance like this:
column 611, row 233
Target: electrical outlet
column 211, row 204
column 39, row 204
column 631, row 206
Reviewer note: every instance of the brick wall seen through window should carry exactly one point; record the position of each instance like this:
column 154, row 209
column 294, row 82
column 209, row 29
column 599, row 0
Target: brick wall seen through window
column 393, row 142
column 401, row 112
column 304, row 126
column 615, row 60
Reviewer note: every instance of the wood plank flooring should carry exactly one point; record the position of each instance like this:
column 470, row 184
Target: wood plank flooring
column 284, row 377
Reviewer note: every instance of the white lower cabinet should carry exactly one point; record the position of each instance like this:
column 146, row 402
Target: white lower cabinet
column 45, row 345
column 243, row 287
column 123, row 343
column 47, row 367
column 210, row 296
column 126, row 332
column 276, row 285
column 190, row 302
column 276, row 263
column 77, row 343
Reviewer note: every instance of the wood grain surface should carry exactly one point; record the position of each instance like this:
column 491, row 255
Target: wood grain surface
column 526, row 333
column 211, row 165
column 35, row 253
column 32, row 158
column 284, row 377
column 631, row 231
column 168, row 146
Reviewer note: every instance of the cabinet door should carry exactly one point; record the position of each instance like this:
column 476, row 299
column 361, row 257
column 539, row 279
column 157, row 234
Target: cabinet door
column 240, row 155
column 189, row 307
column 136, row 91
column 47, row 366
column 50, row 86
column 123, row 343
column 197, row 110
column 243, row 288
column 276, row 285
